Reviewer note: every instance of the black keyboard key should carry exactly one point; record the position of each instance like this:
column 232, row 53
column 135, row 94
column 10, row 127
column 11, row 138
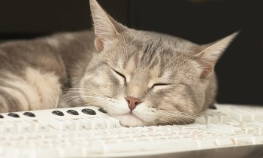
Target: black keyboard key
column 13, row 115
column 89, row 111
column 29, row 114
column 58, row 113
column 1, row 116
column 73, row 112
column 102, row 110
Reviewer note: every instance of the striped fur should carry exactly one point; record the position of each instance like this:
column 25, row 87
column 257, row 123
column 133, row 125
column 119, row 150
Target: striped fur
column 33, row 73
column 172, row 77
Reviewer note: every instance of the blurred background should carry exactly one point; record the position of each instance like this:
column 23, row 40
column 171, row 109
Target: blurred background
column 240, row 70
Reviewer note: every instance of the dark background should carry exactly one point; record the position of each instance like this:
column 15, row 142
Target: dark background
column 240, row 70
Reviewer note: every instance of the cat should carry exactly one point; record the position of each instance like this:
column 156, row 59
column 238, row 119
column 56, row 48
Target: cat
column 139, row 77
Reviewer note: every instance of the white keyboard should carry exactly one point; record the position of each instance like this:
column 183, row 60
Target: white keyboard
column 87, row 132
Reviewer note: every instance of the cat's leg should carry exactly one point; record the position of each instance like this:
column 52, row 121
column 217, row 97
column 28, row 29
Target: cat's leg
column 70, row 99
column 30, row 90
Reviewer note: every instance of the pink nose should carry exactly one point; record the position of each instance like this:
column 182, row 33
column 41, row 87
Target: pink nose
column 132, row 102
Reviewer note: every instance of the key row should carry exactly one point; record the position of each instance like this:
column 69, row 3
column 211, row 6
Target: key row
column 57, row 112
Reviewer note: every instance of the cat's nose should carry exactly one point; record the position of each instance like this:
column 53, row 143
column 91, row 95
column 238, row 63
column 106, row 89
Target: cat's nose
column 132, row 102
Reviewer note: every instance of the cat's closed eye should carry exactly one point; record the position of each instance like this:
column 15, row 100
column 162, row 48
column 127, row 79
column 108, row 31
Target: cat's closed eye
column 160, row 85
column 120, row 74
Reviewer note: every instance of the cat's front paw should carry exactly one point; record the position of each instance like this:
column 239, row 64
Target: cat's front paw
column 130, row 120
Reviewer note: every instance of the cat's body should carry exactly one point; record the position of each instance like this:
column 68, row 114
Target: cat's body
column 139, row 77
column 34, row 72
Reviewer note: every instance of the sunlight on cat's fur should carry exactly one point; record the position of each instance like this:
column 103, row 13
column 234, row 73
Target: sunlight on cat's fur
column 139, row 77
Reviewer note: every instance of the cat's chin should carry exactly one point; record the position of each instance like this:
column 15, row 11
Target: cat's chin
column 129, row 120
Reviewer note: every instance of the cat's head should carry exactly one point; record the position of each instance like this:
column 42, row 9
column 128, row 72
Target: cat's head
column 146, row 78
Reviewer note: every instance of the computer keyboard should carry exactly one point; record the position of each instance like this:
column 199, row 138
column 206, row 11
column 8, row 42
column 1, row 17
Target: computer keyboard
column 90, row 132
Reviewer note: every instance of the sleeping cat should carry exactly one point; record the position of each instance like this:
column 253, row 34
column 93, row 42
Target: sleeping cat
column 139, row 77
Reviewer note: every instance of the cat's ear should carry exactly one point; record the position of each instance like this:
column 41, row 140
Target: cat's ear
column 105, row 26
column 211, row 53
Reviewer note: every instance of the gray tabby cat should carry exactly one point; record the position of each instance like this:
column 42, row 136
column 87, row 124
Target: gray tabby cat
column 139, row 77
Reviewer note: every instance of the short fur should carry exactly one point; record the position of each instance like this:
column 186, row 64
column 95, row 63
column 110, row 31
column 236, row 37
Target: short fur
column 172, row 77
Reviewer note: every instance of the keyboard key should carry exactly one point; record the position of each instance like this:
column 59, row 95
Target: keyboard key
column 224, row 142
column 9, row 128
column 13, row 115
column 200, row 120
column 29, row 114
column 96, row 149
column 26, row 127
column 102, row 110
column 83, row 124
column 42, row 127
column 46, row 152
column 62, row 125
column 258, row 140
column 194, row 126
column 222, row 128
column 258, row 115
column 99, row 124
column 223, row 118
column 243, row 140
column 113, row 123
column 206, row 143
column 58, row 113
column 72, row 112
column 1, row 150
column 211, row 118
column 89, row 111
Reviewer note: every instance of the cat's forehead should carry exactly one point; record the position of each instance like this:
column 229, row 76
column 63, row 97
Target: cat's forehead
column 148, row 52
column 149, row 49
column 152, row 41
